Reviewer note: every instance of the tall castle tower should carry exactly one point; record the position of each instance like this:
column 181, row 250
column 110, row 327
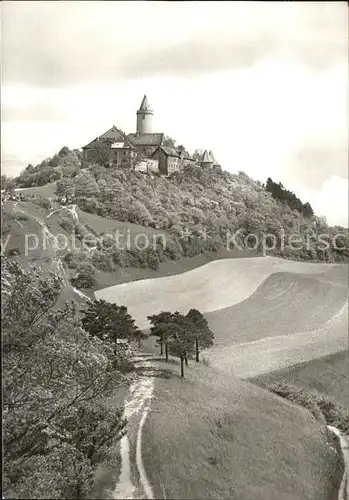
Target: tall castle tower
column 144, row 118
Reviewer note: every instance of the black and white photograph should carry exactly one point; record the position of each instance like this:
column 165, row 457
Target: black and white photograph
column 174, row 250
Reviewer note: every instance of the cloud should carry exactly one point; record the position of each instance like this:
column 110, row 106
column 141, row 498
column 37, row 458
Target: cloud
column 314, row 163
column 332, row 200
column 54, row 44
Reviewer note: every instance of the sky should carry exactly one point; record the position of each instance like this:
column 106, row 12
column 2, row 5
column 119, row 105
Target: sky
column 263, row 85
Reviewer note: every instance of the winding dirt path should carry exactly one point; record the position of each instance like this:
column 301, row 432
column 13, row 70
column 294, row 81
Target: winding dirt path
column 343, row 493
column 50, row 243
column 138, row 405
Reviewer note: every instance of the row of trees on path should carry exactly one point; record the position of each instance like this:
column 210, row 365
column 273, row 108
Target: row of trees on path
column 183, row 336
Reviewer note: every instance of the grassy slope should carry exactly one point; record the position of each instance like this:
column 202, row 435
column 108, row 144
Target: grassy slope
column 98, row 225
column 212, row 287
column 209, row 436
column 44, row 191
column 328, row 375
column 101, row 225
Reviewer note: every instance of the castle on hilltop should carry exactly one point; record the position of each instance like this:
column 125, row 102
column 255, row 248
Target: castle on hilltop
column 143, row 150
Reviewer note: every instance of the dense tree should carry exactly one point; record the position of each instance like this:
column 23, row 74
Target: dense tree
column 85, row 185
column 7, row 183
column 178, row 334
column 56, row 425
column 66, row 189
column 197, row 154
column 110, row 323
column 64, row 152
column 136, row 157
column 279, row 192
column 99, row 153
column 70, row 163
column 169, row 142
column 180, row 342
column 200, row 331
column 198, row 209
column 160, row 328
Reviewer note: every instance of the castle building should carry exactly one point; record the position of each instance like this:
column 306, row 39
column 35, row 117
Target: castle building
column 143, row 150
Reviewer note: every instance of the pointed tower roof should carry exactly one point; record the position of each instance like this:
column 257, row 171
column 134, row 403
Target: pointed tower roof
column 206, row 158
column 144, row 105
column 213, row 158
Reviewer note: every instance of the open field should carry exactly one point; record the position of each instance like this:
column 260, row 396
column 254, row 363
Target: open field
column 273, row 353
column 209, row 436
column 279, row 313
column 285, row 303
column 214, row 286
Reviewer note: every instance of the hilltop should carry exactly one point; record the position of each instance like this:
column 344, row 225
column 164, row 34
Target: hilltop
column 165, row 224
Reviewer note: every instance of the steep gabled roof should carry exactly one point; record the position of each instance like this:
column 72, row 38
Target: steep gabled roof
column 170, row 151
column 174, row 152
column 213, row 158
column 146, row 139
column 90, row 144
column 115, row 134
column 112, row 135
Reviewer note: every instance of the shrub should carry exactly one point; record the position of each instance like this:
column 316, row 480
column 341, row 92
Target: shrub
column 205, row 361
column 297, row 395
column 13, row 252
column 23, row 217
column 152, row 259
column 85, row 276
column 322, row 407
column 90, row 205
column 103, row 261
column 67, row 223
column 43, row 202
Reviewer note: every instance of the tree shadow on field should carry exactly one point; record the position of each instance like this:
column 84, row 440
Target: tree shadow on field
column 171, row 361
column 155, row 372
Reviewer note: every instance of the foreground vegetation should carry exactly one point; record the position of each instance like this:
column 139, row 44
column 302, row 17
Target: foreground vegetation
column 57, row 428
column 60, row 366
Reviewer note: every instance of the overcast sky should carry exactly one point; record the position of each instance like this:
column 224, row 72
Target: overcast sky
column 264, row 85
